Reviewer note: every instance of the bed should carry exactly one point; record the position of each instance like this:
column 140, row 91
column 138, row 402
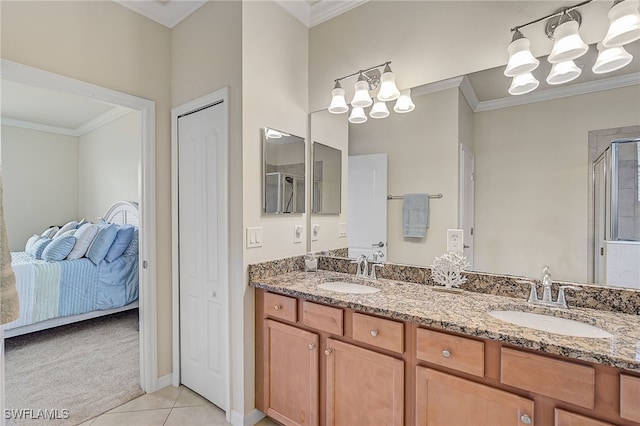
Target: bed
column 54, row 293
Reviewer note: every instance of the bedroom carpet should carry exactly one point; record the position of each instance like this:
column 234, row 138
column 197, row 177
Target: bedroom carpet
column 86, row 368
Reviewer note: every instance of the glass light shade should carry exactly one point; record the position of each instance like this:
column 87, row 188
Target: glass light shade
column 611, row 59
column 624, row 26
column 338, row 103
column 404, row 102
column 361, row 98
column 388, row 89
column 523, row 83
column 357, row 115
column 521, row 60
column 568, row 45
column 379, row 110
column 563, row 72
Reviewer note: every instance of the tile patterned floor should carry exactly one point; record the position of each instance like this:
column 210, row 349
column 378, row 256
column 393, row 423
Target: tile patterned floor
column 170, row 406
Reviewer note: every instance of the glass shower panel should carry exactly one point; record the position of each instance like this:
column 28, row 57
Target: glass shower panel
column 626, row 190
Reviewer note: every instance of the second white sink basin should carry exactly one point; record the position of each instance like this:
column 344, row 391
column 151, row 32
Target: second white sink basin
column 551, row 324
column 345, row 287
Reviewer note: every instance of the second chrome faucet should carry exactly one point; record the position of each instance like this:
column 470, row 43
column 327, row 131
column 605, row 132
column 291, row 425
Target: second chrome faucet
column 363, row 265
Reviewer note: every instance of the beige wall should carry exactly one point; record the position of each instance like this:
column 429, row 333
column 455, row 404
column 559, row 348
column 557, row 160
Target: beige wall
column 532, row 167
column 40, row 178
column 332, row 130
column 108, row 160
column 423, row 157
column 108, row 45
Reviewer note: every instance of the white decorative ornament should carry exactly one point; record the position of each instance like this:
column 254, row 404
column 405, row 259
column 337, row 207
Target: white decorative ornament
column 447, row 269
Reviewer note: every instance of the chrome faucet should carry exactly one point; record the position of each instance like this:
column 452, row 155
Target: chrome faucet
column 547, row 298
column 362, row 268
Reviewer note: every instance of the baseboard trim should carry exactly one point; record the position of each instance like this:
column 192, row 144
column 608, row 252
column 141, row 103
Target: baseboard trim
column 164, row 381
column 250, row 419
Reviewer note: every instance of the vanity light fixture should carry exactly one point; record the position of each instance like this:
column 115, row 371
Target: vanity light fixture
column 562, row 27
column 368, row 81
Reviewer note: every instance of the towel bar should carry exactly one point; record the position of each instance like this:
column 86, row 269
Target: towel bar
column 399, row 197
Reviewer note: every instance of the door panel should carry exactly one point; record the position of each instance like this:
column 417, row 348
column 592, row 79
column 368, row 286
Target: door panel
column 202, row 159
column 367, row 217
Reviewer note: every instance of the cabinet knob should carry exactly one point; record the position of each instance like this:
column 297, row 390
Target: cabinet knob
column 327, row 352
column 312, row 346
column 374, row 333
column 446, row 353
column 277, row 307
column 526, row 419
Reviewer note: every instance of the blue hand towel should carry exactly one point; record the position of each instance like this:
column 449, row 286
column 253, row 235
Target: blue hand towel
column 415, row 215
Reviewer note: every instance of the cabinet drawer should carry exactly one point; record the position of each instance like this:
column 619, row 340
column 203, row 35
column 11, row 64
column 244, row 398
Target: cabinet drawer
column 459, row 353
column 378, row 332
column 321, row 317
column 566, row 381
column 566, row 418
column 630, row 397
column 283, row 307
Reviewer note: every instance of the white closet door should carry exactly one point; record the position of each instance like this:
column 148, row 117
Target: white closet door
column 367, row 217
column 203, row 250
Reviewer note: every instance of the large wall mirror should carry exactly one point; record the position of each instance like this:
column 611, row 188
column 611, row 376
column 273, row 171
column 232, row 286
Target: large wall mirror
column 327, row 179
column 532, row 158
column 283, row 172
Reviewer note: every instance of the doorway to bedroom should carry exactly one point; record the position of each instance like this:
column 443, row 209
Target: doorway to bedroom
column 126, row 126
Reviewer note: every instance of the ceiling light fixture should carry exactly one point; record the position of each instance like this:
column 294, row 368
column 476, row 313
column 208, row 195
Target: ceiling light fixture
column 368, row 81
column 562, row 27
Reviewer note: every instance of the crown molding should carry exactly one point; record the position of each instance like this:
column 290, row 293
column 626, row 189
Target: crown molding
column 167, row 13
column 437, row 86
column 323, row 10
column 101, row 120
column 560, row 92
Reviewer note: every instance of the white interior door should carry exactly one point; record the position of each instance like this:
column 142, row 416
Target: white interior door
column 467, row 201
column 203, row 252
column 367, row 217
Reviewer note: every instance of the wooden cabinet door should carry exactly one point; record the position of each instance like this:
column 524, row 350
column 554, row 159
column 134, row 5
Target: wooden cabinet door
column 363, row 387
column 291, row 386
column 443, row 400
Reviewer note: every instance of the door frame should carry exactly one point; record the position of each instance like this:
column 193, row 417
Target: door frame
column 146, row 189
column 176, row 112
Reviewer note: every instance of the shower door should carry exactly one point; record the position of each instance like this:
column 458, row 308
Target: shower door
column 625, row 201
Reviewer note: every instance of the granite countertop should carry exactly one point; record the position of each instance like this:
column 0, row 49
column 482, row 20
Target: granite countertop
column 467, row 313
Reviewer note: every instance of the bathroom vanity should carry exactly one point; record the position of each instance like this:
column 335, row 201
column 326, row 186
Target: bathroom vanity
column 409, row 354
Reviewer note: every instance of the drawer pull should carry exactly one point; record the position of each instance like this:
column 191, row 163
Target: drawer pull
column 526, row 419
column 277, row 307
column 312, row 346
column 446, row 353
column 374, row 333
column 327, row 352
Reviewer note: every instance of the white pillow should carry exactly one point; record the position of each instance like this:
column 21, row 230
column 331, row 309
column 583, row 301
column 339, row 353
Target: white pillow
column 84, row 237
column 69, row 225
column 50, row 232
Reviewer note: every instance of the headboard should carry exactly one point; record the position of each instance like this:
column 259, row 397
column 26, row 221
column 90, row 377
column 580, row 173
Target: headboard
column 122, row 212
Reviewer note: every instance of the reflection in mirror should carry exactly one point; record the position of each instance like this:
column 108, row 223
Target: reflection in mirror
column 283, row 167
column 533, row 158
column 327, row 179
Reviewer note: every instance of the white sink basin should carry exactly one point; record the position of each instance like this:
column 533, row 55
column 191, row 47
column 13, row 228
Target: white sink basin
column 551, row 324
column 345, row 287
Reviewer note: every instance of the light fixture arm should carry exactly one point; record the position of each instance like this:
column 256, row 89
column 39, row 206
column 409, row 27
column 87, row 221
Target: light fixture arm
column 553, row 15
column 384, row 64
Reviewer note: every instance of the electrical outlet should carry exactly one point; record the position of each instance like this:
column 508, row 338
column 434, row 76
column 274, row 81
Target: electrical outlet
column 342, row 229
column 254, row 237
column 455, row 240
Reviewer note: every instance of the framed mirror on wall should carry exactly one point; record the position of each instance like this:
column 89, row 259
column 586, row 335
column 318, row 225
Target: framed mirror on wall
column 283, row 165
column 327, row 179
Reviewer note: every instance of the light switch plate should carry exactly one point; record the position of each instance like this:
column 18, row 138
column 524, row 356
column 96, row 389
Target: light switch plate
column 455, row 241
column 254, row 237
column 315, row 232
column 298, row 233
column 342, row 229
